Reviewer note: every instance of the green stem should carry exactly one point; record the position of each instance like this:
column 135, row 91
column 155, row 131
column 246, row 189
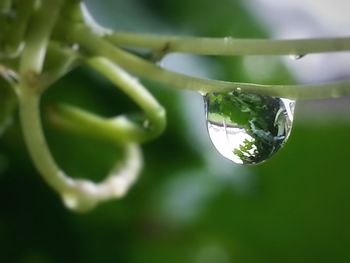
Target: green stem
column 78, row 194
column 100, row 47
column 34, row 138
column 136, row 91
column 31, row 65
column 39, row 30
column 118, row 129
column 229, row 46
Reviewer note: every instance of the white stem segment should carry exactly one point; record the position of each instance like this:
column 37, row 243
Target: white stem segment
column 84, row 195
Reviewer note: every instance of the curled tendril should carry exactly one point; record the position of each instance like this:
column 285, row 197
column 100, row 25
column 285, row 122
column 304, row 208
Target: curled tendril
column 83, row 195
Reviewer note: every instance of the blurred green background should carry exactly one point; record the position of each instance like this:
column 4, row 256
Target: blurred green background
column 190, row 204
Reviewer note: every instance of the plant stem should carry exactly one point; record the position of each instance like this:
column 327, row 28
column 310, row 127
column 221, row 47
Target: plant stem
column 79, row 195
column 29, row 93
column 99, row 47
column 36, row 143
column 38, row 35
column 136, row 91
column 117, row 129
column 229, row 46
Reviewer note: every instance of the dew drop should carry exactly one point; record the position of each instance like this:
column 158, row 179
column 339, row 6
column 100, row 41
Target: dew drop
column 248, row 128
column 297, row 56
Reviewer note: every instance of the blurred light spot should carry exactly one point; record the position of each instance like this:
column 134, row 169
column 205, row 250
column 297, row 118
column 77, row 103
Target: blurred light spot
column 213, row 254
column 184, row 197
column 126, row 16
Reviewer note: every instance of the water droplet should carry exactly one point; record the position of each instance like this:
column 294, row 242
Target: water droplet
column 297, row 56
column 248, row 128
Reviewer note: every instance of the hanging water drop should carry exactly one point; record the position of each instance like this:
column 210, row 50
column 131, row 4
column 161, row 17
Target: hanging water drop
column 248, row 128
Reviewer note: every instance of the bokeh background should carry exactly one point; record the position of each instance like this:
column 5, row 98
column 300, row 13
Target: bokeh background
column 190, row 204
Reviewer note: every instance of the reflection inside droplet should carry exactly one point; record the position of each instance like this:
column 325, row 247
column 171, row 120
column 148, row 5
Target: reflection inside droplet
column 225, row 138
column 248, row 128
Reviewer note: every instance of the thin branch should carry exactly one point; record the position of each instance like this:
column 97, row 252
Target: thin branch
column 36, row 143
column 155, row 113
column 229, row 46
column 118, row 129
column 100, row 47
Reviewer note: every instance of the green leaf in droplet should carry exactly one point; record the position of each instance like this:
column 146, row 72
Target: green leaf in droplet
column 247, row 128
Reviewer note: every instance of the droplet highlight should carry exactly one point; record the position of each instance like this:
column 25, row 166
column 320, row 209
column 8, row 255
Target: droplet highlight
column 248, row 128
